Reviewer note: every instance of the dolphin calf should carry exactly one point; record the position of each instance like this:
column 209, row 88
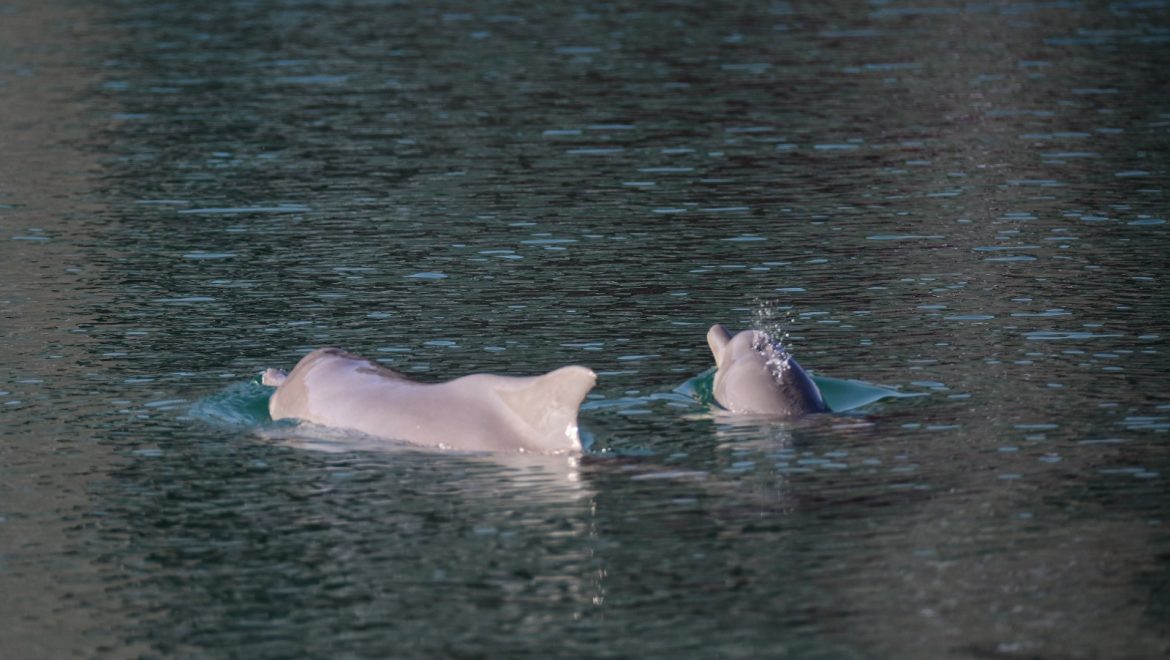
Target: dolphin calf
column 756, row 375
column 480, row 412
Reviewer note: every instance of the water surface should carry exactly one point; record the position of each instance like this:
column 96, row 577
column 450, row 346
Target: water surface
column 963, row 202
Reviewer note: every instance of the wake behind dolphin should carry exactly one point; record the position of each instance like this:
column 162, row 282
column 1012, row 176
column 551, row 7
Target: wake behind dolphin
column 480, row 412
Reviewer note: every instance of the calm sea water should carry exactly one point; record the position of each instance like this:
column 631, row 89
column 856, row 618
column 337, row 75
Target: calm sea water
column 964, row 202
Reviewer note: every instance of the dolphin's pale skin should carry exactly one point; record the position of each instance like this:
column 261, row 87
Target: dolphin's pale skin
column 754, row 375
column 480, row 412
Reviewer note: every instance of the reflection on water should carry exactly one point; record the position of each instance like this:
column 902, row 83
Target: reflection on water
column 961, row 201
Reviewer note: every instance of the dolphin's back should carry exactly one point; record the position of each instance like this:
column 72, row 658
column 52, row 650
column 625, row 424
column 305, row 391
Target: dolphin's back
column 755, row 376
column 551, row 405
column 481, row 412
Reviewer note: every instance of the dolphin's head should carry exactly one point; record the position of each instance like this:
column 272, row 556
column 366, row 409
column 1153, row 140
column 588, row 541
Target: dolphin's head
column 756, row 375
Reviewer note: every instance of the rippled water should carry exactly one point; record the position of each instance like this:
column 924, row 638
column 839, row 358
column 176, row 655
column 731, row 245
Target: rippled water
column 962, row 202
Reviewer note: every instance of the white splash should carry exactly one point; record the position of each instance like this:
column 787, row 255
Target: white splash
column 771, row 322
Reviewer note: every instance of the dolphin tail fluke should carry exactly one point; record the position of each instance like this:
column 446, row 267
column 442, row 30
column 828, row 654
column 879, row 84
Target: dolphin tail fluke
column 549, row 404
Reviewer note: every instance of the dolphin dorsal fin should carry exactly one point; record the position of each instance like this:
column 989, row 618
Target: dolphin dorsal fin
column 549, row 404
column 717, row 338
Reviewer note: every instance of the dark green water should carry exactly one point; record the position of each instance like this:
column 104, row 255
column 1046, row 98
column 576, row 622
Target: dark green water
column 966, row 202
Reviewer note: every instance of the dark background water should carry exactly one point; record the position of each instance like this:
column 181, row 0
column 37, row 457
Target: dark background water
column 966, row 201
